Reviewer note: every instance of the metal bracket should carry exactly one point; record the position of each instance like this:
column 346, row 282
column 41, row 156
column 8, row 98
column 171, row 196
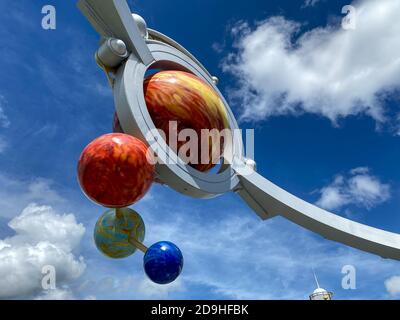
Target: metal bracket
column 113, row 19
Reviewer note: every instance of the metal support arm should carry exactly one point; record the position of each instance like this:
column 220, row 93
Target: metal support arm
column 113, row 18
column 269, row 200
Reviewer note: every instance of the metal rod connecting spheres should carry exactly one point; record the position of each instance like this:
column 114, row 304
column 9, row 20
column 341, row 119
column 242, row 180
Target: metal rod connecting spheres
column 131, row 239
column 138, row 244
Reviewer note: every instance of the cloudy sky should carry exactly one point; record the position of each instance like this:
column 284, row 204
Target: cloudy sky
column 324, row 105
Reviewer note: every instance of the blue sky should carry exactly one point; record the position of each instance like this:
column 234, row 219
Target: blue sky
column 324, row 105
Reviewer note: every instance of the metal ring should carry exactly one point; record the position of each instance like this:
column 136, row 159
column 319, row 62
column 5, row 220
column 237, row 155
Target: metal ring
column 135, row 120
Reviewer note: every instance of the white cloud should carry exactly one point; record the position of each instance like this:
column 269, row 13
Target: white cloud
column 61, row 294
column 359, row 187
column 42, row 223
column 327, row 71
column 4, row 121
column 3, row 144
column 310, row 3
column 397, row 125
column 150, row 289
column 56, row 294
column 16, row 194
column 42, row 237
column 137, row 284
column 392, row 285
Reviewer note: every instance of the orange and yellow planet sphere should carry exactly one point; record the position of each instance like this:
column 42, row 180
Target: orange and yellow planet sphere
column 189, row 102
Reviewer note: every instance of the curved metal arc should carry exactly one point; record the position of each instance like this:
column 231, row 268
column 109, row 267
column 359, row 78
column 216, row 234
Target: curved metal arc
column 113, row 18
column 158, row 36
column 268, row 200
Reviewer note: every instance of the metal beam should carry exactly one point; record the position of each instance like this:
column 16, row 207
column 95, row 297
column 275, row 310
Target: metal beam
column 113, row 18
column 272, row 200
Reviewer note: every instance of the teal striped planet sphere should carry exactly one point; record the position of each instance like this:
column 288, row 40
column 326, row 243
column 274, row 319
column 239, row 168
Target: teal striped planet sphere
column 113, row 230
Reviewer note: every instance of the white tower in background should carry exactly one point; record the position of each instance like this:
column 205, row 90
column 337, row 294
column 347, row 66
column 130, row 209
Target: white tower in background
column 320, row 293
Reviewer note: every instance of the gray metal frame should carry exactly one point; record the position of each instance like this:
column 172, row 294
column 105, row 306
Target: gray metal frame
column 135, row 119
column 112, row 18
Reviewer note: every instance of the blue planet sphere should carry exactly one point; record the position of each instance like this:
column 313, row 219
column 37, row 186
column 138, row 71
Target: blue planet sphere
column 163, row 262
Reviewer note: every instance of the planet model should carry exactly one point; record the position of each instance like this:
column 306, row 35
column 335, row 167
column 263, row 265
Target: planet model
column 191, row 102
column 115, row 170
column 163, row 262
column 113, row 230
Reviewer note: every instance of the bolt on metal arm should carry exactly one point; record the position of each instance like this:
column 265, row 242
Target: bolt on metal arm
column 113, row 19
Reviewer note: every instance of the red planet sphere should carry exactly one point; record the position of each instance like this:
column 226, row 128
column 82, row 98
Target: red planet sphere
column 114, row 171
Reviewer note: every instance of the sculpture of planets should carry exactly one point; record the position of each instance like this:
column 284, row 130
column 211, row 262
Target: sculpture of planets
column 191, row 102
column 113, row 230
column 163, row 262
column 114, row 170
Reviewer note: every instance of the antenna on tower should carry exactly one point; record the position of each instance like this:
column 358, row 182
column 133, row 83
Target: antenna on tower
column 315, row 277
column 320, row 293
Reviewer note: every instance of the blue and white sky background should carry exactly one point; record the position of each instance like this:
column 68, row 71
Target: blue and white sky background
column 324, row 103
